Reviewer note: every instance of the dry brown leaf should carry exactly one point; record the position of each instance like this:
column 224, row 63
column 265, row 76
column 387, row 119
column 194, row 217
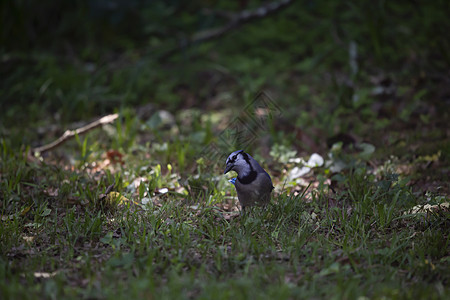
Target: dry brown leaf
column 115, row 156
column 428, row 208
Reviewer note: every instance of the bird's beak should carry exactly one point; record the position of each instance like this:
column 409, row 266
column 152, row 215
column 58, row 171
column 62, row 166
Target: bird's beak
column 228, row 168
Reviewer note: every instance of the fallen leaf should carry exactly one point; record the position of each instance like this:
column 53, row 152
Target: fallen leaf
column 315, row 161
column 46, row 212
column 428, row 208
column 28, row 239
column 114, row 156
column 51, row 191
column 298, row 172
column 9, row 217
column 161, row 191
column 25, row 211
column 116, row 198
column 44, row 274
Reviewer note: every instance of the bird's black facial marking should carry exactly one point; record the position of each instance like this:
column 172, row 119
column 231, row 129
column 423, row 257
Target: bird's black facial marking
column 234, row 157
column 231, row 160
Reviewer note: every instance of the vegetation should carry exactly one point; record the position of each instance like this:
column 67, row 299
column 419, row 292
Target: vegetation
column 344, row 104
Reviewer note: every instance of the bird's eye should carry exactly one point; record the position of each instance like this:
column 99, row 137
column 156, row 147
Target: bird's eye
column 234, row 157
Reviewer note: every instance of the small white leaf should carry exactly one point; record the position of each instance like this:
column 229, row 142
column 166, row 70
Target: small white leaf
column 297, row 172
column 315, row 161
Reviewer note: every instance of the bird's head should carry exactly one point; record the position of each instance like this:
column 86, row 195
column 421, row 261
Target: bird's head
column 237, row 161
column 240, row 162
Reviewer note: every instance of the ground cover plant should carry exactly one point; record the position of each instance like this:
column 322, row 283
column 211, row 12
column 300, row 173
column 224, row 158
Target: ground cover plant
column 344, row 104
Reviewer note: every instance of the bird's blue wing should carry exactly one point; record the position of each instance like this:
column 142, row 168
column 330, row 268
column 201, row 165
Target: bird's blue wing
column 232, row 180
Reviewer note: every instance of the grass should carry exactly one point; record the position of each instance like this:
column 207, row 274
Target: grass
column 62, row 239
column 364, row 85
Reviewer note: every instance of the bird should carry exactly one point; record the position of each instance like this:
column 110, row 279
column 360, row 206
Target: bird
column 253, row 184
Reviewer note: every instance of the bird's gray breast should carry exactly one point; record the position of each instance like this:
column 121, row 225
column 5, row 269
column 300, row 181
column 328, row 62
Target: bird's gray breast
column 255, row 192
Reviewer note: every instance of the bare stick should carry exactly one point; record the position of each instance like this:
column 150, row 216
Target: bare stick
column 238, row 19
column 108, row 190
column 71, row 133
column 235, row 20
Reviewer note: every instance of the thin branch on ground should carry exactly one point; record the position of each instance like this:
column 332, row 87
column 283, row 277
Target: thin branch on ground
column 239, row 19
column 79, row 131
column 235, row 21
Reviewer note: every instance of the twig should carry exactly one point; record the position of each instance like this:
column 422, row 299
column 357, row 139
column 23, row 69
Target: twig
column 236, row 20
column 71, row 133
column 108, row 190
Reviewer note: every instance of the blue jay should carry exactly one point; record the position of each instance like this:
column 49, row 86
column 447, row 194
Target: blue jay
column 253, row 184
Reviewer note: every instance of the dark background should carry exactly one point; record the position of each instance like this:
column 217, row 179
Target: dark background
column 335, row 67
